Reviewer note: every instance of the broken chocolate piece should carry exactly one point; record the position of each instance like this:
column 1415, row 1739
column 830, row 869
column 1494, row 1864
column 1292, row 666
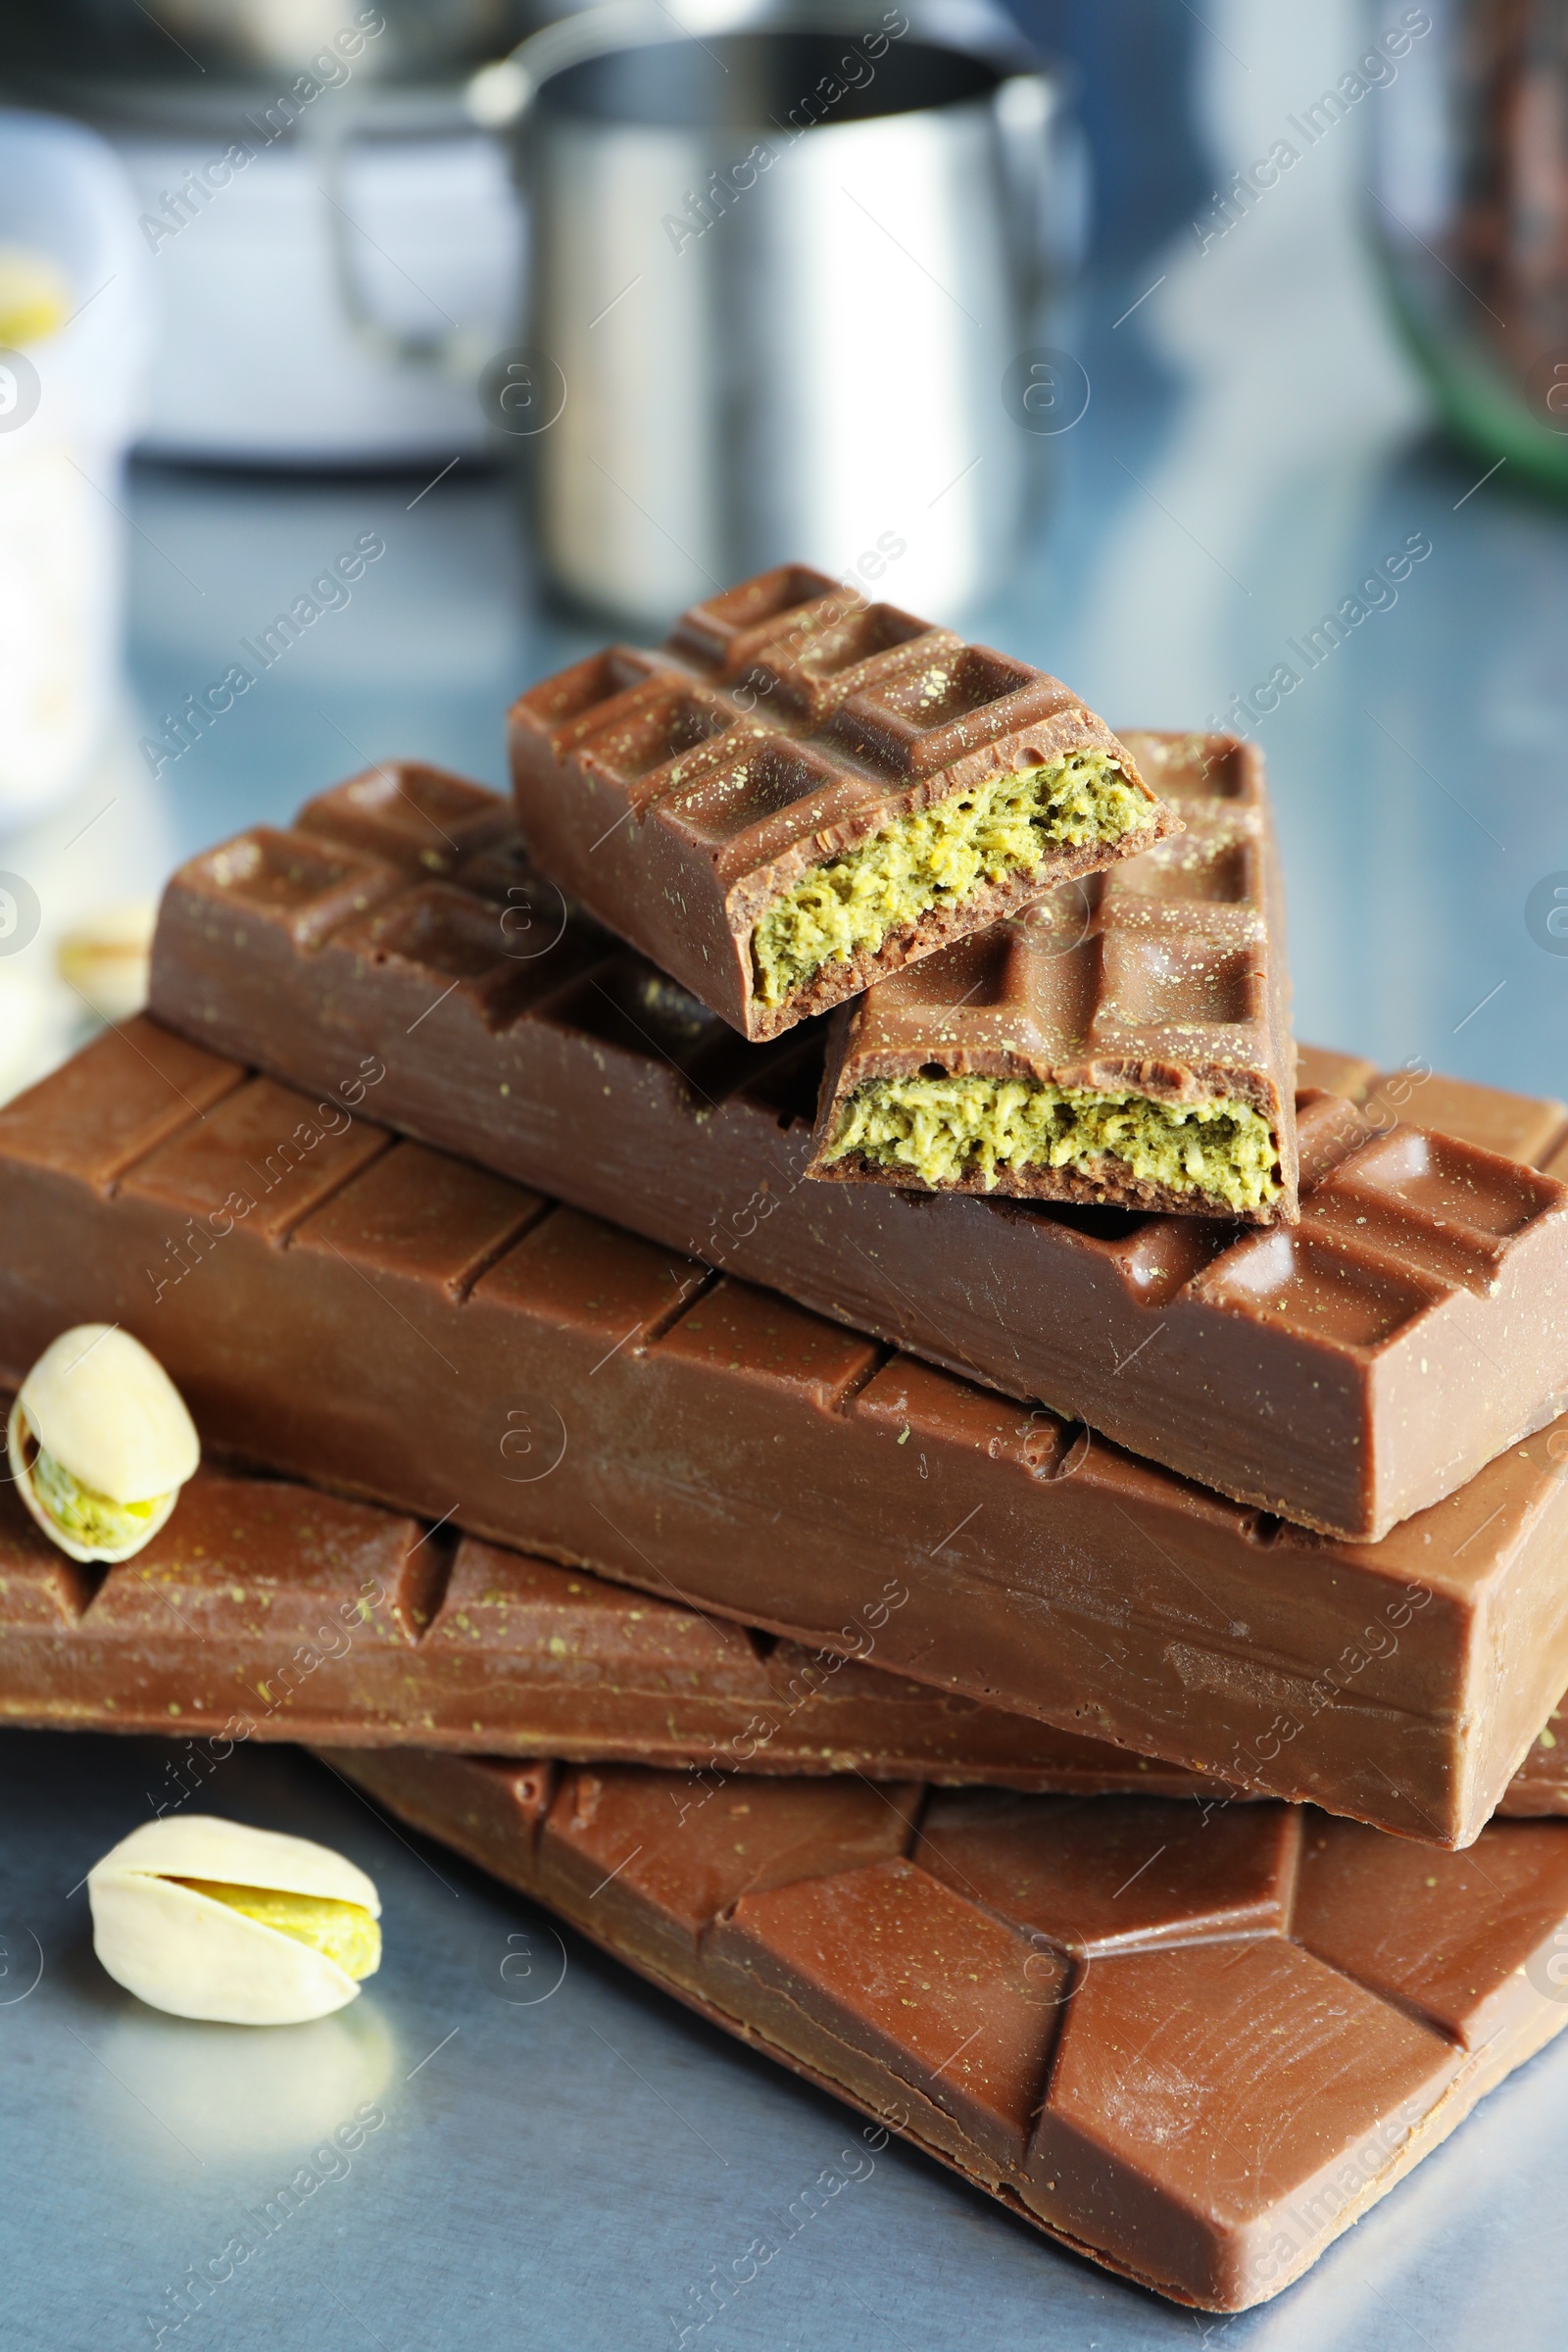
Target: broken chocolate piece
column 1125, row 1040
column 802, row 793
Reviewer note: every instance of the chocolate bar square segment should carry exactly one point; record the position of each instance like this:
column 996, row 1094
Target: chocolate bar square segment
column 1409, row 1933
column 927, row 713
column 303, row 886
column 817, row 669
column 264, row 1158
column 886, row 1971
column 420, row 1217
column 1350, row 1076
column 124, row 1093
column 1124, row 1040
column 1515, row 1126
column 803, row 792
column 1097, row 1879
column 655, row 1861
column 422, row 819
column 434, row 943
column 1303, row 2090
column 784, row 604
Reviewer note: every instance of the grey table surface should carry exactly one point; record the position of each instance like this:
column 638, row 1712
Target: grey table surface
column 565, row 2158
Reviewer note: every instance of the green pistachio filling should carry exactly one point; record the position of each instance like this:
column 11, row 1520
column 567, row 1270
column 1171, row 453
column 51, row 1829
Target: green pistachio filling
column 935, row 858
column 83, row 1515
column 952, row 1130
column 344, row 1932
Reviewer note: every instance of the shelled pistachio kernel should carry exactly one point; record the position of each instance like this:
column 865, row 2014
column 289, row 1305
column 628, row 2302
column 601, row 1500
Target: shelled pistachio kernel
column 346, row 1933
column 211, row 1919
column 100, row 1443
column 105, row 958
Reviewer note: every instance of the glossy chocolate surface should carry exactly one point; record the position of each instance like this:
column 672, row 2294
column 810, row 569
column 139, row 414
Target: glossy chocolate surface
column 267, row 1610
column 1193, row 2044
column 377, row 1317
column 679, row 795
column 1343, row 1376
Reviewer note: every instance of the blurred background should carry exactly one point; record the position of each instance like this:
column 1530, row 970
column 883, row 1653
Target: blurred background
column 360, row 364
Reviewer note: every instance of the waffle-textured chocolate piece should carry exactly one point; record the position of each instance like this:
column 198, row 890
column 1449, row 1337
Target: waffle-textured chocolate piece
column 1192, row 2046
column 377, row 1317
column 1344, row 1375
column 802, row 792
column 1126, row 1039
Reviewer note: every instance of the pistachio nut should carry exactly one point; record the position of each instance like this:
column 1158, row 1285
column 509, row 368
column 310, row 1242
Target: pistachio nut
column 35, row 295
column 100, row 1443
column 105, row 958
column 208, row 1918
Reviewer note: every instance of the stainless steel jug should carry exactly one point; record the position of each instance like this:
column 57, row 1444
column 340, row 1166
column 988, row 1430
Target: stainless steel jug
column 781, row 267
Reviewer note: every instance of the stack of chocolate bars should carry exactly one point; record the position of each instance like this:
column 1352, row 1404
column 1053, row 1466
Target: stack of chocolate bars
column 791, row 1359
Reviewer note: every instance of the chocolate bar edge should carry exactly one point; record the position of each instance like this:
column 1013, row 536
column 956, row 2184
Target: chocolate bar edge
column 704, row 947
column 1271, row 1088
column 386, row 1775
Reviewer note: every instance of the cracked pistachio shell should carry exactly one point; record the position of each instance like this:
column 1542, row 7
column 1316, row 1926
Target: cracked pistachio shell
column 181, row 1950
column 103, row 1409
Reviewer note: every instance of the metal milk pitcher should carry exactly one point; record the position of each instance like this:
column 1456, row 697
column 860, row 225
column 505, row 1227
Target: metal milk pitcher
column 779, row 271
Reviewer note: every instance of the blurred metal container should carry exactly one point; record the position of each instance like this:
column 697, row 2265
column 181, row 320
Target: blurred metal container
column 194, row 41
column 1470, row 215
column 332, row 243
column 779, row 271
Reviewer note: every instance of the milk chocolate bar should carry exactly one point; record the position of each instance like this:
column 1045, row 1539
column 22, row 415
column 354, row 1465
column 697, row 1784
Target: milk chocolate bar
column 267, row 1610
column 375, row 1317
column 1346, row 1374
column 800, row 792
column 1540, row 1783
column 1125, row 1039
column 1191, row 2045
